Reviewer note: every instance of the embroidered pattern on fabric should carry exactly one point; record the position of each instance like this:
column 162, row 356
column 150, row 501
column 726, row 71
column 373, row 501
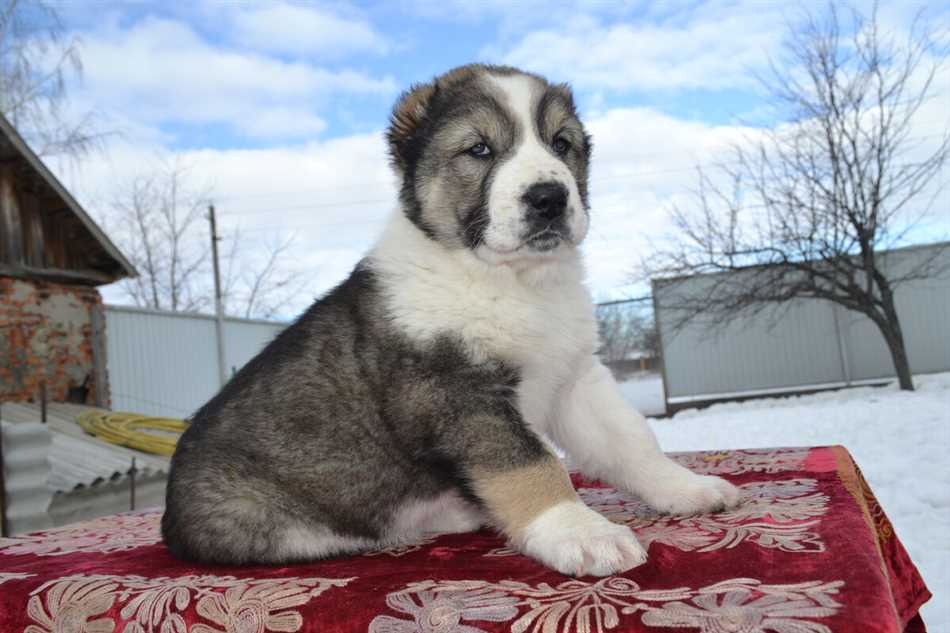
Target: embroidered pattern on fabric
column 155, row 605
column 13, row 575
column 401, row 550
column 769, row 461
column 779, row 515
column 773, row 515
column 741, row 605
column 116, row 533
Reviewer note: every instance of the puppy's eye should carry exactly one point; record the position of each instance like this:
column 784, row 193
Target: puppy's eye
column 560, row 145
column 481, row 150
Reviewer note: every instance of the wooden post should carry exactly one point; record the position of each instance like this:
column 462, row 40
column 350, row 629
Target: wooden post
column 4, row 531
column 132, row 472
column 43, row 401
column 218, row 303
column 100, row 370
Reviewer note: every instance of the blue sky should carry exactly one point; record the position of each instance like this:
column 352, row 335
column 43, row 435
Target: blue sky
column 278, row 107
column 389, row 46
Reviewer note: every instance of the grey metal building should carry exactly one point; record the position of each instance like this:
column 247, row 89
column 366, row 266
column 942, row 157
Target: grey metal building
column 802, row 346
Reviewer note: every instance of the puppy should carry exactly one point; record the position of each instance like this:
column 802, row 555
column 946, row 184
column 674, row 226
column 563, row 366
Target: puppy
column 425, row 393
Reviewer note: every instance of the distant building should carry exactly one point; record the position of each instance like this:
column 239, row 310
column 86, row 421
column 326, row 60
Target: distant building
column 52, row 259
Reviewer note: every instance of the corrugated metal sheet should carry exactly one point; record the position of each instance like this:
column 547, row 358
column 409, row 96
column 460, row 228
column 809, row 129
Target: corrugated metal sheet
column 164, row 363
column 74, row 458
column 797, row 346
column 25, row 457
column 107, row 498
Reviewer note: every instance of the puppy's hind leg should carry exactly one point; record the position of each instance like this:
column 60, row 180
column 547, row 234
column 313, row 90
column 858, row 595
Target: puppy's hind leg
column 244, row 530
column 447, row 513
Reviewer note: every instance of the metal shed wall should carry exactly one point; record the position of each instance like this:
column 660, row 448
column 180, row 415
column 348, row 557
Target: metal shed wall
column 166, row 363
column 801, row 345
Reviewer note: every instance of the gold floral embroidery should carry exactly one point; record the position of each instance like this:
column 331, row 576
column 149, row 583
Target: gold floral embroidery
column 72, row 606
column 738, row 462
column 13, row 575
column 744, row 606
column 854, row 482
column 779, row 515
column 255, row 607
column 741, row 605
column 401, row 550
column 155, row 605
column 116, row 533
column 441, row 611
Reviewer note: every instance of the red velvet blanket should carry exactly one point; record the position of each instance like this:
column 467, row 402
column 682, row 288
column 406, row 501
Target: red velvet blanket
column 808, row 551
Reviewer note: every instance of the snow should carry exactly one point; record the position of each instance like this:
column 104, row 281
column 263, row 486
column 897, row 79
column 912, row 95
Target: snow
column 901, row 441
column 645, row 390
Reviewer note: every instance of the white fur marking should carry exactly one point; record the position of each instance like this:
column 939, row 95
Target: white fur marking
column 532, row 163
column 446, row 514
column 541, row 320
column 575, row 540
column 607, row 439
column 305, row 542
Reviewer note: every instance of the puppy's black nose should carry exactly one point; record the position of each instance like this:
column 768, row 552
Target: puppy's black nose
column 546, row 201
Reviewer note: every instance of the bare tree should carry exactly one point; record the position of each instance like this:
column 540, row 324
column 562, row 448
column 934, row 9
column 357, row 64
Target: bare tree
column 157, row 220
column 811, row 204
column 37, row 60
column 625, row 329
column 259, row 288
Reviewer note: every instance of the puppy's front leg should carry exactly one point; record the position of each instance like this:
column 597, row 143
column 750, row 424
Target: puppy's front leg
column 528, row 494
column 609, row 440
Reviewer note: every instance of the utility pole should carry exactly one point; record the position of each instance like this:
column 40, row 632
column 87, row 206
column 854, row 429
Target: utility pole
column 218, row 305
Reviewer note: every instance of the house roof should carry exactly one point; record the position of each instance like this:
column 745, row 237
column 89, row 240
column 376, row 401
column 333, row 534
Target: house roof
column 14, row 149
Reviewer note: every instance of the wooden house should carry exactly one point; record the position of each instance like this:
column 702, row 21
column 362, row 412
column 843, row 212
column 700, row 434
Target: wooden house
column 53, row 257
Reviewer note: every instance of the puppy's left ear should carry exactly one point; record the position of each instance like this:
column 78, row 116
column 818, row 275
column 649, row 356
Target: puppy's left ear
column 408, row 116
column 567, row 96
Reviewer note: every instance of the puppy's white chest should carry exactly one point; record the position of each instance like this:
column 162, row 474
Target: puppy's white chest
column 546, row 334
column 533, row 329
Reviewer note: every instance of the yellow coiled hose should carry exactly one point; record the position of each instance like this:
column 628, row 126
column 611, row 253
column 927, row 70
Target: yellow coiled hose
column 134, row 430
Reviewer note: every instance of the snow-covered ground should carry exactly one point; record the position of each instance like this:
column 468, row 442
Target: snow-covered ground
column 900, row 440
column 645, row 389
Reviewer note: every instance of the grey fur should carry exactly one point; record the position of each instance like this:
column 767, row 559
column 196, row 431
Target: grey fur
column 341, row 420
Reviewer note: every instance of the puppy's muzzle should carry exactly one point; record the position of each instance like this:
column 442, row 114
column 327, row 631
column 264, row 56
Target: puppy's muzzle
column 546, row 206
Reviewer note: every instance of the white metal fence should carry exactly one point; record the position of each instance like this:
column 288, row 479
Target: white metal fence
column 805, row 344
column 166, row 363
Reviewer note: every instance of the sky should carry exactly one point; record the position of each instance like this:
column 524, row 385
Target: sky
column 278, row 108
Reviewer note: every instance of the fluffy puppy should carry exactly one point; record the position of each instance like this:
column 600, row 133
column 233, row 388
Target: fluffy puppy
column 421, row 394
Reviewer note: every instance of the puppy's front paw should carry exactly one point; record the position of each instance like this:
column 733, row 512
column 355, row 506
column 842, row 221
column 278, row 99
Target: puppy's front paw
column 575, row 540
column 693, row 494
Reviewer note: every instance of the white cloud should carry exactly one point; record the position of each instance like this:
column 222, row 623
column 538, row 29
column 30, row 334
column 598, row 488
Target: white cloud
column 160, row 71
column 335, row 195
column 688, row 51
column 643, row 162
column 297, row 29
column 332, row 197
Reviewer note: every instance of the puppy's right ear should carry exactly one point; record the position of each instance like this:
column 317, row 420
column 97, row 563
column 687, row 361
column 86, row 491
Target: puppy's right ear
column 407, row 118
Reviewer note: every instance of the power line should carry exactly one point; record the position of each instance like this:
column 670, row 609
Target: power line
column 330, row 223
column 394, row 184
column 393, row 201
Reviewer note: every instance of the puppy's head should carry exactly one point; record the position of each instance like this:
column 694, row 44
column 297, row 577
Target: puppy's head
column 494, row 160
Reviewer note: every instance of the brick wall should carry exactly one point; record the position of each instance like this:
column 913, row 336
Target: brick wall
column 46, row 331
